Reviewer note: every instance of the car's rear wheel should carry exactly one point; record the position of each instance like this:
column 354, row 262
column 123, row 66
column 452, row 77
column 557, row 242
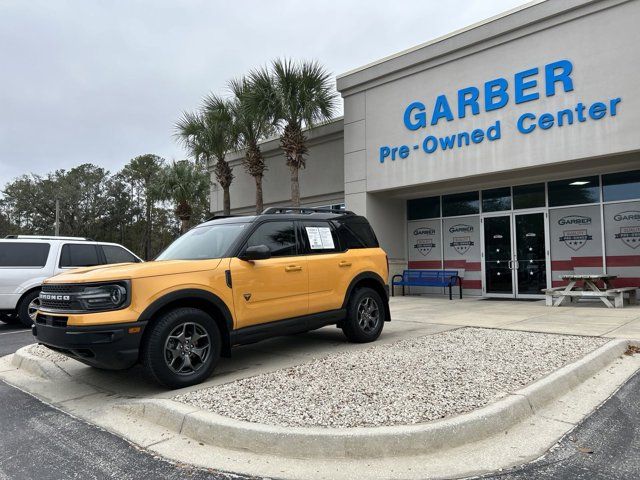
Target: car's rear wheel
column 28, row 308
column 182, row 348
column 365, row 316
column 9, row 318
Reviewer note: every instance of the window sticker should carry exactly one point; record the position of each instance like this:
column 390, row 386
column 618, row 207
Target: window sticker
column 320, row 238
column 325, row 236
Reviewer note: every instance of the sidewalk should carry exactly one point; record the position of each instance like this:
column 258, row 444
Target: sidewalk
column 584, row 318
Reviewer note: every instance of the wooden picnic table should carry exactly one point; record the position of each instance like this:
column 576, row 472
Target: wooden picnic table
column 585, row 286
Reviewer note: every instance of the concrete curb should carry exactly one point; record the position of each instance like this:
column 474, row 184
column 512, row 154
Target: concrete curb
column 375, row 442
column 38, row 366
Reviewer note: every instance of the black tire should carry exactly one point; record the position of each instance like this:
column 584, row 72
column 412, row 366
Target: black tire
column 160, row 352
column 366, row 315
column 26, row 306
column 9, row 318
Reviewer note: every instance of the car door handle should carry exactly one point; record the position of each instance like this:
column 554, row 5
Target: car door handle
column 344, row 264
column 292, row 268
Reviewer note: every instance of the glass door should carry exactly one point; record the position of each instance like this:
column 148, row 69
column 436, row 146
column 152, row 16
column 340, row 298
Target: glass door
column 515, row 255
column 498, row 256
column 530, row 260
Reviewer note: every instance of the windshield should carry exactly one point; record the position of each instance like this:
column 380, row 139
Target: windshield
column 202, row 243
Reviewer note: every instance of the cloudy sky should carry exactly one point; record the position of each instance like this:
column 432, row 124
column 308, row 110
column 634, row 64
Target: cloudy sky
column 102, row 81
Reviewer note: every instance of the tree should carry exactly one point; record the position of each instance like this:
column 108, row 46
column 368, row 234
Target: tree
column 295, row 96
column 185, row 184
column 208, row 134
column 249, row 128
column 143, row 171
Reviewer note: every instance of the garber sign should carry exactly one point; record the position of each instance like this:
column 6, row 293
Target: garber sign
column 495, row 94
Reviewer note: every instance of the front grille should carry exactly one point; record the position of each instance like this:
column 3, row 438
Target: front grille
column 53, row 288
column 59, row 297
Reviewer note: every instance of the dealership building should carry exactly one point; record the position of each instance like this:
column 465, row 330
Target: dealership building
column 509, row 150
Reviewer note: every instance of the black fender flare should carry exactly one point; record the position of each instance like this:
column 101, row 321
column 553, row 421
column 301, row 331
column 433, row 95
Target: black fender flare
column 369, row 277
column 189, row 294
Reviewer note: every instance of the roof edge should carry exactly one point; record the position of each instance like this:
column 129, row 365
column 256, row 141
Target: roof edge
column 519, row 17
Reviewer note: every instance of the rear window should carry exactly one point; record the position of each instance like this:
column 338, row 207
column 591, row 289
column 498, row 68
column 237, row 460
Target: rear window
column 115, row 254
column 356, row 233
column 24, row 255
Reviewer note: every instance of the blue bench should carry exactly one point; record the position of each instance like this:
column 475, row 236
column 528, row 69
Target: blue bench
column 427, row 278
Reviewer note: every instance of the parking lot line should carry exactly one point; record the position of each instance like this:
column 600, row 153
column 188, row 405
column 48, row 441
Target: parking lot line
column 18, row 331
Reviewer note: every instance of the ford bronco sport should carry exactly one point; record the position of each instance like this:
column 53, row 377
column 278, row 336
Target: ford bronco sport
column 227, row 282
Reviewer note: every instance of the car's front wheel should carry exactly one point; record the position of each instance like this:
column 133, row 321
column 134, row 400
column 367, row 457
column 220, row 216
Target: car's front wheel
column 182, row 348
column 366, row 315
column 28, row 308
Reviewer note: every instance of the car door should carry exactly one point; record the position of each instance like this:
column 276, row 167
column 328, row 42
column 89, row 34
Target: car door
column 275, row 288
column 330, row 270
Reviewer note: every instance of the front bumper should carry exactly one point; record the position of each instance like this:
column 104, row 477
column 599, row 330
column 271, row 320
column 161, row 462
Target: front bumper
column 111, row 347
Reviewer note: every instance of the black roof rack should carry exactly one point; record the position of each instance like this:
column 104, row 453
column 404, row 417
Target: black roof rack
column 305, row 210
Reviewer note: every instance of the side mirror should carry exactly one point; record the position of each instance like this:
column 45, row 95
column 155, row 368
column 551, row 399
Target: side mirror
column 257, row 252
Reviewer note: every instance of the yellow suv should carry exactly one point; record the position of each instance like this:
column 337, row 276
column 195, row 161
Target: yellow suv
column 230, row 281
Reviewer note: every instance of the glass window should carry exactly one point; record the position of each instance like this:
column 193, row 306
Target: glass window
column 496, row 199
column 115, row 254
column 280, row 237
column 576, row 242
column 460, row 204
column 317, row 231
column 78, row 255
column 621, row 186
column 203, row 243
column 420, row 208
column 574, row 191
column 24, row 255
column 528, row 196
column 356, row 233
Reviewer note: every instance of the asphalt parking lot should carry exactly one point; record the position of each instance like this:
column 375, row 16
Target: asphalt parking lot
column 13, row 337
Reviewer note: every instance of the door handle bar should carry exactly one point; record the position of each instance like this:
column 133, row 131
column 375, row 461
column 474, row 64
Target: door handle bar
column 344, row 264
column 292, row 268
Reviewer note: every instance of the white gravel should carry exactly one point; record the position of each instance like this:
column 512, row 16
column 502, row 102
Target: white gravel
column 47, row 353
column 407, row 382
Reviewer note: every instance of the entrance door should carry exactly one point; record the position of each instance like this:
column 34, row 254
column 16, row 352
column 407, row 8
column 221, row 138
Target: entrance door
column 530, row 261
column 498, row 256
column 515, row 255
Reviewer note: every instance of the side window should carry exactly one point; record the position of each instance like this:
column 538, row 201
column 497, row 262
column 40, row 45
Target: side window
column 79, row 255
column 319, row 237
column 24, row 255
column 280, row 237
column 115, row 254
column 356, row 234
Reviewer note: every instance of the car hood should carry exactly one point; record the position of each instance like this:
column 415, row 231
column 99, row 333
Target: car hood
column 131, row 271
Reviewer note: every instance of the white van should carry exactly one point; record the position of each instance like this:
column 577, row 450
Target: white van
column 26, row 261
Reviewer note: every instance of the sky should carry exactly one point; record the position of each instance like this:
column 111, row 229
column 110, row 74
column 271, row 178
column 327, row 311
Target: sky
column 102, row 81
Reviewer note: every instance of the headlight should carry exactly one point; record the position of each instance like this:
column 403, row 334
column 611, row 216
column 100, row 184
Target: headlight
column 103, row 297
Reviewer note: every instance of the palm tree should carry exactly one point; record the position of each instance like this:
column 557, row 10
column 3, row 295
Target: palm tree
column 144, row 171
column 208, row 134
column 250, row 127
column 184, row 183
column 295, row 96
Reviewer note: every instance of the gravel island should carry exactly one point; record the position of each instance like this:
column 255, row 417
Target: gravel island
column 407, row 382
